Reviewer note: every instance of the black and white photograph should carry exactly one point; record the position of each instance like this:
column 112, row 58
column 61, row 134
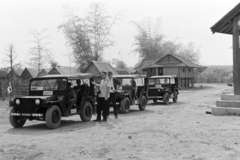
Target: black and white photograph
column 119, row 80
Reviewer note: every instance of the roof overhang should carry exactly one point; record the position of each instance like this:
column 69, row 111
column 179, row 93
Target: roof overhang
column 224, row 25
column 130, row 76
column 165, row 76
column 69, row 76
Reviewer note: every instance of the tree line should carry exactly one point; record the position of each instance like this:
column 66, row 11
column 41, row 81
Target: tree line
column 215, row 74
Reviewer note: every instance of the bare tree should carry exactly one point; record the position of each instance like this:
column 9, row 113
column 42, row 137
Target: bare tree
column 89, row 36
column 10, row 59
column 40, row 54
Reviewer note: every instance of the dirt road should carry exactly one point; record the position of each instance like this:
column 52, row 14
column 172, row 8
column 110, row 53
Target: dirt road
column 179, row 130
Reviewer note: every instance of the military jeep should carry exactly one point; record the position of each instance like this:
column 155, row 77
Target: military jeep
column 48, row 100
column 127, row 95
column 163, row 88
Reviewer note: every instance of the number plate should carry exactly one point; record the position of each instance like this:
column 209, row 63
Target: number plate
column 47, row 93
column 73, row 111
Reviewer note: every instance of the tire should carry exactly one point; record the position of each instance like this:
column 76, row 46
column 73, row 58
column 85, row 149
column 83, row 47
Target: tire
column 125, row 105
column 175, row 97
column 143, row 103
column 86, row 112
column 166, row 98
column 53, row 117
column 155, row 100
column 16, row 121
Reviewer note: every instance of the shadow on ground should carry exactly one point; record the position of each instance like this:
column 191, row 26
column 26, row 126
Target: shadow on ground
column 40, row 128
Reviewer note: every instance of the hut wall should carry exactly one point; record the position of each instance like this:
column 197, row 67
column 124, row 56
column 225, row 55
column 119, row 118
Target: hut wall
column 92, row 69
column 170, row 71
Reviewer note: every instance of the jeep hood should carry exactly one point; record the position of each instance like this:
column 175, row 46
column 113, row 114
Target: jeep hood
column 39, row 97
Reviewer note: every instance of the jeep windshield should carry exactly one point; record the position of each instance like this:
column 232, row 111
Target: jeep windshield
column 127, row 81
column 48, row 84
column 159, row 81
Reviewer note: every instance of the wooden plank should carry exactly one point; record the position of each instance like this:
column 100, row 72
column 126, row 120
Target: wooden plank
column 236, row 57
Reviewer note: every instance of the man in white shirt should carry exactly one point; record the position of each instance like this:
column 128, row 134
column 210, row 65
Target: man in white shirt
column 114, row 83
column 102, row 100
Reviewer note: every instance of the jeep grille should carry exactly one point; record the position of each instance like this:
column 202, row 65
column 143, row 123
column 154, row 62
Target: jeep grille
column 153, row 92
column 28, row 106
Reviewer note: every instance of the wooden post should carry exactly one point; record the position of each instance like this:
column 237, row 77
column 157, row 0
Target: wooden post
column 236, row 57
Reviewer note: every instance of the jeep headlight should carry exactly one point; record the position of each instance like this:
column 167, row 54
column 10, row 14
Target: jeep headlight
column 17, row 101
column 37, row 101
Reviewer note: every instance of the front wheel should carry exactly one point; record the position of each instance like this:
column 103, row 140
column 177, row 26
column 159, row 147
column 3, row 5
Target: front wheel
column 16, row 121
column 86, row 112
column 166, row 98
column 143, row 103
column 125, row 105
column 53, row 117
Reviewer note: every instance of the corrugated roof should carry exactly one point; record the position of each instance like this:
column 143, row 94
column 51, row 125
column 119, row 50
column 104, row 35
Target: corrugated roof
column 187, row 62
column 145, row 63
column 103, row 66
column 67, row 70
column 169, row 64
column 3, row 74
column 17, row 72
column 33, row 72
column 224, row 25
column 70, row 76
column 122, row 71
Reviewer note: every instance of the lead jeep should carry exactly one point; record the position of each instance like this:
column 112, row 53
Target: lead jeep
column 163, row 88
column 48, row 100
column 125, row 95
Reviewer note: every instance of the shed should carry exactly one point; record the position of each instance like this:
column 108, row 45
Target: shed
column 16, row 77
column 27, row 74
column 96, row 67
column 170, row 64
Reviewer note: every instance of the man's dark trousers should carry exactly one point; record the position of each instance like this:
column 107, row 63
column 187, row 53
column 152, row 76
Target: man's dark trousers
column 101, row 108
column 113, row 100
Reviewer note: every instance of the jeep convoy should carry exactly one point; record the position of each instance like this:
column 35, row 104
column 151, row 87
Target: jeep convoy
column 49, row 99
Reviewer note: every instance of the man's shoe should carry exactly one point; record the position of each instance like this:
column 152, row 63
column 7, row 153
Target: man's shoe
column 97, row 120
column 116, row 116
column 104, row 120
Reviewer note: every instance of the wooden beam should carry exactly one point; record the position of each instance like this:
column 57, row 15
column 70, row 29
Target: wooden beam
column 236, row 57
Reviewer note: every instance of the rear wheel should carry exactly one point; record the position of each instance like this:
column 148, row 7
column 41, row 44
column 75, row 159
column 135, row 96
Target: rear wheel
column 86, row 112
column 16, row 121
column 143, row 103
column 175, row 97
column 166, row 98
column 53, row 117
column 125, row 105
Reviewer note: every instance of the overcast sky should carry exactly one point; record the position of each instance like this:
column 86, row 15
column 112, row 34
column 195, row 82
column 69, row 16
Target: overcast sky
column 183, row 20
